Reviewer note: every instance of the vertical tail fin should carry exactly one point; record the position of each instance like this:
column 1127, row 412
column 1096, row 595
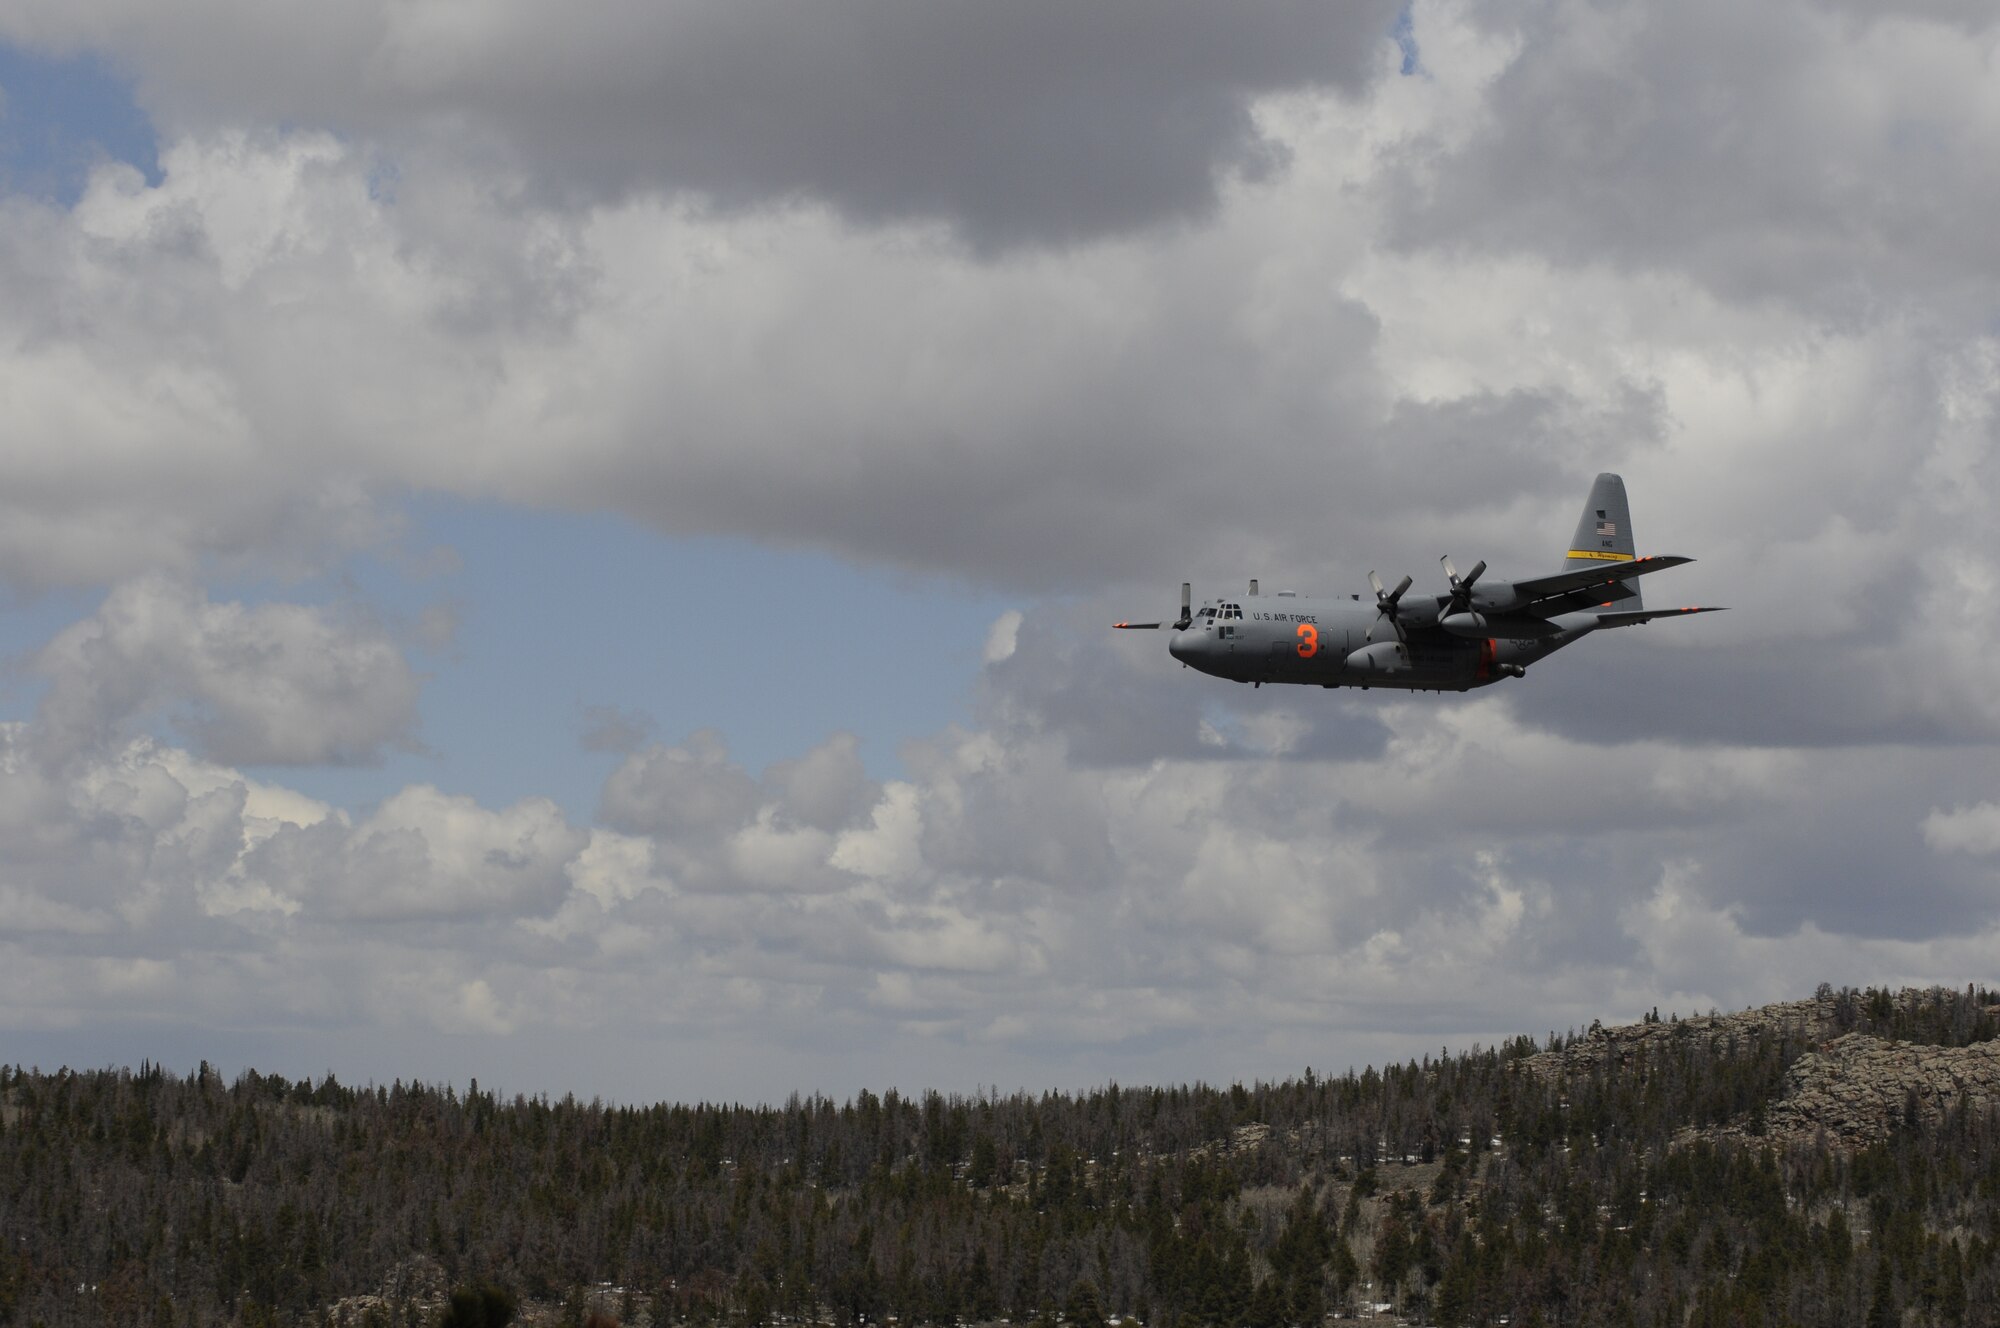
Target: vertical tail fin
column 1604, row 534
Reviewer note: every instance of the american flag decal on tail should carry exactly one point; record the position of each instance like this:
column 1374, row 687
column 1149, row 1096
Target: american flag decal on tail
column 1607, row 528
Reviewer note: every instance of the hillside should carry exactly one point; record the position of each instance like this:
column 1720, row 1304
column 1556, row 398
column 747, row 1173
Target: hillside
column 1824, row 1161
column 1924, row 1059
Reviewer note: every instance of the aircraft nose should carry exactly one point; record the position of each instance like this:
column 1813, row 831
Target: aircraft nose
column 1181, row 645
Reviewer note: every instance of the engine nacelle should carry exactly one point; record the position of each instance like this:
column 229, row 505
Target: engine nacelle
column 1384, row 657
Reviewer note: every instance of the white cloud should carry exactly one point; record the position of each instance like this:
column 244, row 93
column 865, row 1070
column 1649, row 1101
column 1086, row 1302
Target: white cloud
column 240, row 361
column 888, row 847
column 692, row 790
column 271, row 683
column 1000, row 637
column 1738, row 254
column 478, row 1011
column 1701, row 956
column 1974, row 829
column 614, row 868
column 827, row 789
column 765, row 855
column 1229, row 908
column 427, row 854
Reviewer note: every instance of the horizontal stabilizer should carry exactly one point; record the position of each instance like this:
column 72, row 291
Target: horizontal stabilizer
column 1594, row 583
column 1633, row 617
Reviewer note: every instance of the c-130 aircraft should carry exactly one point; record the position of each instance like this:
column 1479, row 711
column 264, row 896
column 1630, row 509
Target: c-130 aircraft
column 1479, row 633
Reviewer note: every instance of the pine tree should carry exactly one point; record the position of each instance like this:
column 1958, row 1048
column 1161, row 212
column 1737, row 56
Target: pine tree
column 1882, row 1311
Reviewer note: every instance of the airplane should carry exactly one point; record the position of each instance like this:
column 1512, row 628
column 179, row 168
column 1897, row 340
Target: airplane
column 1478, row 633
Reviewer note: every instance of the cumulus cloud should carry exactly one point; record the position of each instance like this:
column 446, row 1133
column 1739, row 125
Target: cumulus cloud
column 1172, row 897
column 610, row 729
column 264, row 684
column 1974, row 829
column 1000, row 638
column 1789, row 151
column 682, row 792
column 1252, row 396
column 1003, row 905
column 715, row 826
column 827, row 789
column 242, row 360
column 1703, row 956
column 1277, row 312
column 425, row 854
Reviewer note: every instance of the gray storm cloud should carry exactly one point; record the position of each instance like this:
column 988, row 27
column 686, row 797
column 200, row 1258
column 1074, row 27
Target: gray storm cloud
column 1311, row 369
column 1833, row 156
column 1029, row 122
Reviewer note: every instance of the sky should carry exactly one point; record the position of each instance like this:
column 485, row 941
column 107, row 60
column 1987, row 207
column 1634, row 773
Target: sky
column 577, row 549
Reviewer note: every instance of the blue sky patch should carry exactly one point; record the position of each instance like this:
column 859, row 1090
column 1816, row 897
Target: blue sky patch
column 61, row 116
column 1405, row 33
column 563, row 619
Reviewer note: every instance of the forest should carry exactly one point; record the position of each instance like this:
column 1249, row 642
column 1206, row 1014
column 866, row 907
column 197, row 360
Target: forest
column 1469, row 1188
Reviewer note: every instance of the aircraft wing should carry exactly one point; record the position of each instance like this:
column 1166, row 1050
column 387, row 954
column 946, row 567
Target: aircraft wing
column 1632, row 617
column 1565, row 592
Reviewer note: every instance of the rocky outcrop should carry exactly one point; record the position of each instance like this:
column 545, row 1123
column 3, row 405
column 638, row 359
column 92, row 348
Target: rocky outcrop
column 416, row 1284
column 1850, row 1088
column 1859, row 1088
column 1808, row 1020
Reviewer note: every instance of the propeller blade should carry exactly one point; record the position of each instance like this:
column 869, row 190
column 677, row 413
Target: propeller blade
column 1386, row 602
column 1187, row 615
column 1186, row 618
column 1461, row 586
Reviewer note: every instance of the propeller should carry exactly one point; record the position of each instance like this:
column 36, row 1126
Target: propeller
column 1461, row 589
column 1385, row 603
column 1181, row 624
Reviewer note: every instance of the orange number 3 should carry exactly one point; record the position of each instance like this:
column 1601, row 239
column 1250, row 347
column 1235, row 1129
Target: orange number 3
column 1308, row 640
